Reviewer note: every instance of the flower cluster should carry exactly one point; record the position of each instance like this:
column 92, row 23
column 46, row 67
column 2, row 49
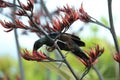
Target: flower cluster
column 93, row 55
column 74, row 14
column 10, row 26
column 83, row 15
column 35, row 56
column 70, row 15
column 24, row 8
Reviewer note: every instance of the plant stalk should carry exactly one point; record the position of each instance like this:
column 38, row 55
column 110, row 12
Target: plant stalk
column 46, row 10
column 18, row 48
column 98, row 73
column 112, row 30
column 65, row 61
column 112, row 26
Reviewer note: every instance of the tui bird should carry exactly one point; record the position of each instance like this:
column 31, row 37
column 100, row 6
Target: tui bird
column 68, row 42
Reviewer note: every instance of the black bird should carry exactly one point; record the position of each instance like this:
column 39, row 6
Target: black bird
column 68, row 42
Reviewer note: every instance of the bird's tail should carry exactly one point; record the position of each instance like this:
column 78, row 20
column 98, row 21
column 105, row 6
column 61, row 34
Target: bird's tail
column 79, row 53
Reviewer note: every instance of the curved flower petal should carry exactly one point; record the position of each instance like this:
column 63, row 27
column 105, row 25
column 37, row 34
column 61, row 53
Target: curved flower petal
column 35, row 56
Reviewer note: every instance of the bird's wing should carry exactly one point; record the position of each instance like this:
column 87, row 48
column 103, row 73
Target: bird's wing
column 77, row 40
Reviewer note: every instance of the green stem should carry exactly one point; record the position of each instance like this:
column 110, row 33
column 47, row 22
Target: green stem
column 98, row 73
column 85, row 73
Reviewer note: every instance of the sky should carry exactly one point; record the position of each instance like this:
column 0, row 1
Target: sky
column 95, row 8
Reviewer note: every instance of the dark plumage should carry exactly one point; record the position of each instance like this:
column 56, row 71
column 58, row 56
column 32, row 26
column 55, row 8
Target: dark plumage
column 67, row 42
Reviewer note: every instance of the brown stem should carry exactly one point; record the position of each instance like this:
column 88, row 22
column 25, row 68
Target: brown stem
column 35, row 25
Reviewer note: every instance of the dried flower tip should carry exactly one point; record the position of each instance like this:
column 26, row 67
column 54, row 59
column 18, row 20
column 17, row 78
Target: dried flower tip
column 20, row 24
column 7, row 25
column 29, row 6
column 83, row 15
column 4, row 4
column 116, row 57
column 20, row 13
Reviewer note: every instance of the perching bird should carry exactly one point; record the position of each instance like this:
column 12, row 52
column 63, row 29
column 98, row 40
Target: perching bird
column 66, row 42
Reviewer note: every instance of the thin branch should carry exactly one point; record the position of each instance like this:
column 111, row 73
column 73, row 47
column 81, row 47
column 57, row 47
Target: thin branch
column 50, row 17
column 85, row 73
column 18, row 49
column 113, row 30
column 19, row 57
column 52, row 61
column 98, row 73
column 35, row 25
column 65, row 61
column 93, row 20
column 45, row 9
column 112, row 25
column 88, row 69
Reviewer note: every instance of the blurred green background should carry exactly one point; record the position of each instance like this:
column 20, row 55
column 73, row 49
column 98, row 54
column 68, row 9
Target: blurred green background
column 91, row 35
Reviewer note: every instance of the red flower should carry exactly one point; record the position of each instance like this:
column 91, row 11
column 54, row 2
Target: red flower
column 4, row 4
column 10, row 26
column 19, row 24
column 35, row 56
column 29, row 6
column 20, row 13
column 83, row 15
column 57, row 25
column 116, row 57
column 36, row 17
column 71, row 15
column 74, row 14
column 93, row 54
